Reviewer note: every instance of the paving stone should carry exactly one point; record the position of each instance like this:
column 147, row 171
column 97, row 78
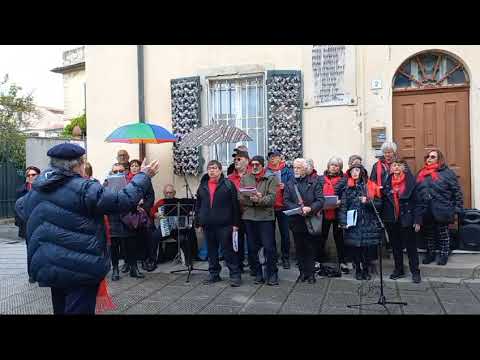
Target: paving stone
column 147, row 307
column 341, row 299
column 301, row 304
column 213, row 309
column 380, row 310
column 427, row 305
column 457, row 297
column 338, row 310
column 254, row 307
column 185, row 306
column 462, row 308
column 20, row 299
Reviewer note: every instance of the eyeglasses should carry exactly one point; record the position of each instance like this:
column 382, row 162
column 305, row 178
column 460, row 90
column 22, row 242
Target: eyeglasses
column 256, row 164
column 30, row 175
column 431, row 157
column 212, row 168
column 117, row 171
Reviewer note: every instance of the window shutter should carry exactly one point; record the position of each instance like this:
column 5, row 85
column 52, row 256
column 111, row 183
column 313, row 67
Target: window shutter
column 284, row 107
column 185, row 100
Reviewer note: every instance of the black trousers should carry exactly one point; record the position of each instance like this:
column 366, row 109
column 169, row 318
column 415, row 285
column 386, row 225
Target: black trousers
column 125, row 245
column 74, row 301
column 400, row 238
column 363, row 255
column 261, row 234
column 305, row 246
column 337, row 236
column 215, row 236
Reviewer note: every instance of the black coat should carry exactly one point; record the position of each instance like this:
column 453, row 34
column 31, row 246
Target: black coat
column 385, row 173
column 440, row 199
column 408, row 216
column 65, row 226
column 18, row 221
column 226, row 207
column 367, row 231
column 312, row 195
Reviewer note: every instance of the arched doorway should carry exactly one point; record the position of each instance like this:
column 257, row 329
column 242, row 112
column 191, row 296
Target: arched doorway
column 431, row 109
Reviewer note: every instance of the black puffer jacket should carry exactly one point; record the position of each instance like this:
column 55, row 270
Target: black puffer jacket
column 312, row 195
column 408, row 216
column 367, row 231
column 226, row 207
column 441, row 198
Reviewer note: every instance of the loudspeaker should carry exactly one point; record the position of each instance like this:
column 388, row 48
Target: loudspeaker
column 469, row 230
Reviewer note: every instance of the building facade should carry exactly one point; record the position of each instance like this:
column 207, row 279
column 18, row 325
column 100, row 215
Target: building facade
column 315, row 101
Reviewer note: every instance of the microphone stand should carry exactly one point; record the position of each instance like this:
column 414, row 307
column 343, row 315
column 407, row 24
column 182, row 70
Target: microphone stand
column 382, row 299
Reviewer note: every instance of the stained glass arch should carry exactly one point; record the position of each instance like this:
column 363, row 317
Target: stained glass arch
column 431, row 69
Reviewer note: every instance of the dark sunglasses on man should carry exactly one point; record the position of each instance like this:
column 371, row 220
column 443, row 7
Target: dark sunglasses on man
column 117, row 171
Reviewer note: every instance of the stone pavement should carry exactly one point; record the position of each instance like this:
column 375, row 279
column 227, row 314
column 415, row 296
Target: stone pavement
column 164, row 293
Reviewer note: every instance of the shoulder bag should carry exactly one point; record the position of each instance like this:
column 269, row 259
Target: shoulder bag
column 313, row 222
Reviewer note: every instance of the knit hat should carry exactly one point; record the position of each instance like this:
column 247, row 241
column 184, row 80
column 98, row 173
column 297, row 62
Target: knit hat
column 260, row 159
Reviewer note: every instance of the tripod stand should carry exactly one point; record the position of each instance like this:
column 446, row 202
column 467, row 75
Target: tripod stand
column 382, row 299
column 184, row 257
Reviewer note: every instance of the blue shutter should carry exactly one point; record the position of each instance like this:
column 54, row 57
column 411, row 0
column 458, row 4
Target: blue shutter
column 185, row 101
column 284, row 109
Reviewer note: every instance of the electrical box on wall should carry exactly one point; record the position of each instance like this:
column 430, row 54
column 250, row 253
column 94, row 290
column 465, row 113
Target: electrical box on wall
column 379, row 136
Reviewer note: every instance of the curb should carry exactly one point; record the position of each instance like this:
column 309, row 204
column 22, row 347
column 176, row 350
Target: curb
column 7, row 221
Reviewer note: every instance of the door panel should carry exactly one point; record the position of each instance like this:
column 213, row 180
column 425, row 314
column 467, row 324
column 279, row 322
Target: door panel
column 425, row 120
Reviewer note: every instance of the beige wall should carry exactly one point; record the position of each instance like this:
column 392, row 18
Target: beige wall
column 328, row 131
column 74, row 97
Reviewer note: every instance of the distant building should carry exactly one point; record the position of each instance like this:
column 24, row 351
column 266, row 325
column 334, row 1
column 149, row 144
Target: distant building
column 45, row 122
column 74, row 82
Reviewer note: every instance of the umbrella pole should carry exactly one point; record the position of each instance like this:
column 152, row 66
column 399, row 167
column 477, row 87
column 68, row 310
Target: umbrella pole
column 216, row 152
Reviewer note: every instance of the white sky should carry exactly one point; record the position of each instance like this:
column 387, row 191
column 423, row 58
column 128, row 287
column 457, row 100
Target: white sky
column 29, row 67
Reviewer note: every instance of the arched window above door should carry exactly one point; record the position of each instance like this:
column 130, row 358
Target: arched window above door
column 431, row 69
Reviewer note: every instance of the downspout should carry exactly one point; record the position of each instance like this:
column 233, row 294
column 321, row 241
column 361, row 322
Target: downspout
column 141, row 94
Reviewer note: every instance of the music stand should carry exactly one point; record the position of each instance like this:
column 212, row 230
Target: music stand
column 382, row 301
column 182, row 210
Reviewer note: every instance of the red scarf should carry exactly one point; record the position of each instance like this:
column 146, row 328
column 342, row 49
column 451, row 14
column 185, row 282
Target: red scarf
column 329, row 189
column 129, row 176
column 372, row 188
column 212, row 187
column 398, row 186
column 104, row 300
column 260, row 175
column 29, row 186
column 380, row 166
column 431, row 170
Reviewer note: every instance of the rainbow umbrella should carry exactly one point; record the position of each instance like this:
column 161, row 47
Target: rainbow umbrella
column 141, row 133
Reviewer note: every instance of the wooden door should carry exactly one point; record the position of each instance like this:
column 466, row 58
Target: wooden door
column 426, row 119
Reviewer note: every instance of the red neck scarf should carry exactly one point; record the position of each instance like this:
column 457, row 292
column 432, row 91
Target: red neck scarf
column 212, row 187
column 431, row 170
column 398, row 186
column 260, row 175
column 129, row 176
column 29, row 186
column 372, row 188
column 380, row 166
column 329, row 189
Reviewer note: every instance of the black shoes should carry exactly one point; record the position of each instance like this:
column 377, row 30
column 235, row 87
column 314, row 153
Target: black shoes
column 258, row 279
column 344, row 268
column 397, row 274
column 443, row 260
column 416, row 278
column 358, row 274
column 366, row 275
column 211, row 280
column 311, row 279
column 273, row 280
column 31, row 280
column 286, row 263
column 125, row 268
column 135, row 273
column 429, row 257
column 150, row 266
column 235, row 282
column 115, row 274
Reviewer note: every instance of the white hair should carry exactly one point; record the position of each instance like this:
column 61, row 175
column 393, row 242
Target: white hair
column 301, row 161
column 64, row 164
column 388, row 145
column 335, row 160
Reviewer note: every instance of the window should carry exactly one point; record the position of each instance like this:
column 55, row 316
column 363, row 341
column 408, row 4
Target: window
column 238, row 102
column 430, row 70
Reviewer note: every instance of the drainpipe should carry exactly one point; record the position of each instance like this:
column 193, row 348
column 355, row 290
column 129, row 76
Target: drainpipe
column 141, row 94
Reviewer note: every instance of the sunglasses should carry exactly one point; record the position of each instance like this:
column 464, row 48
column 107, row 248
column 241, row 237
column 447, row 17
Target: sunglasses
column 117, row 171
column 30, row 175
column 431, row 157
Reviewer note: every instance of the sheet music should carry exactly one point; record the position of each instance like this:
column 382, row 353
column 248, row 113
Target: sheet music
column 351, row 218
column 116, row 182
column 330, row 202
column 296, row 211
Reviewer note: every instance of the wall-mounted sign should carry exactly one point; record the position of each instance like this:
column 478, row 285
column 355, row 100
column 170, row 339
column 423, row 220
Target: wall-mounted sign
column 376, row 84
column 333, row 74
column 379, row 136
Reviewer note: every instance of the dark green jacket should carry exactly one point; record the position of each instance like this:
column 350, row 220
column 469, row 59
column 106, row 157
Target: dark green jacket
column 263, row 210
